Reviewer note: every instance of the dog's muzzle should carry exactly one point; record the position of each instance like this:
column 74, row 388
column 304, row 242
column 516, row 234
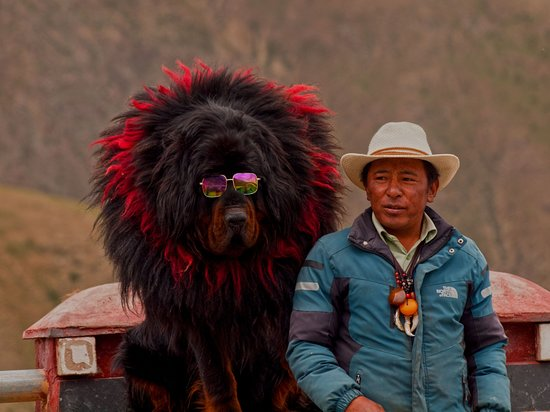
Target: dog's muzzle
column 235, row 218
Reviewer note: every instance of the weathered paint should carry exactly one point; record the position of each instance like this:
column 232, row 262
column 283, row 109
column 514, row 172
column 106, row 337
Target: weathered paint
column 95, row 312
column 517, row 299
column 76, row 356
column 45, row 348
column 521, row 305
column 521, row 342
column 543, row 342
column 91, row 312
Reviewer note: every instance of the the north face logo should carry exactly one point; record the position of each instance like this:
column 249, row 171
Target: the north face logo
column 447, row 292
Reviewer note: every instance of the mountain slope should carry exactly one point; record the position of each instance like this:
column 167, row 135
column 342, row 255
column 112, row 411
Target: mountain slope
column 472, row 75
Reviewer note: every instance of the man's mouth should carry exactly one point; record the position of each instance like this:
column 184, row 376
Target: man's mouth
column 393, row 208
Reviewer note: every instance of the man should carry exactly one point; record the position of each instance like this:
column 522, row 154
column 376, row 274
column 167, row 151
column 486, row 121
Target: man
column 395, row 312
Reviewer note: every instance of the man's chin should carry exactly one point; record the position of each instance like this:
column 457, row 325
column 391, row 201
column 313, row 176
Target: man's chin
column 394, row 223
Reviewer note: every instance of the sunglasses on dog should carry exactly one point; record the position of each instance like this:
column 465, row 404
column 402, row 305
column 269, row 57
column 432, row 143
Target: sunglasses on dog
column 244, row 183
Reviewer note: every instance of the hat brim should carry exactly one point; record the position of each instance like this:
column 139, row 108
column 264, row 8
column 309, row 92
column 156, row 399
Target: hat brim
column 446, row 164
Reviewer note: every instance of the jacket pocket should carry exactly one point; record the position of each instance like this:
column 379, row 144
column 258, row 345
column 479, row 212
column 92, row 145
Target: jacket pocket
column 446, row 381
column 383, row 378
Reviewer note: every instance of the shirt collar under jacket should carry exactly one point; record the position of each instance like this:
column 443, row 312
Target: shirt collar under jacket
column 428, row 232
column 363, row 235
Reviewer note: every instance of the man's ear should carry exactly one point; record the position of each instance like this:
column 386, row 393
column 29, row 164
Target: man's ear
column 432, row 190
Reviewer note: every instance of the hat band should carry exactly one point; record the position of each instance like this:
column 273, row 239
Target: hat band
column 399, row 151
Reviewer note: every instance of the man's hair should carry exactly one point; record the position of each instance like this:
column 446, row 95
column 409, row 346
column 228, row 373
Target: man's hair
column 431, row 172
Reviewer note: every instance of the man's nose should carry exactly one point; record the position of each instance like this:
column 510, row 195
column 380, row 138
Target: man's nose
column 394, row 187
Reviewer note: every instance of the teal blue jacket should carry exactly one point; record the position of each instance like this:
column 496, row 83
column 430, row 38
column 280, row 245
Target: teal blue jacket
column 343, row 342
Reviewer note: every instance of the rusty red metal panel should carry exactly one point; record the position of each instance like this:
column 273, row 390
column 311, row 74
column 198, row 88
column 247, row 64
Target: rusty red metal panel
column 517, row 299
column 521, row 342
column 107, row 348
column 91, row 312
column 46, row 360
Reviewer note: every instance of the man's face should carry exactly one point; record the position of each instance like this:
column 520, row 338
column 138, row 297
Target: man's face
column 398, row 191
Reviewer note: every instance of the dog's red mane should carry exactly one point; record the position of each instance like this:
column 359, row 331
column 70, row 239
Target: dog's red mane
column 120, row 182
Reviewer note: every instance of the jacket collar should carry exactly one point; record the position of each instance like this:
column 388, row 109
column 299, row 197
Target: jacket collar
column 364, row 235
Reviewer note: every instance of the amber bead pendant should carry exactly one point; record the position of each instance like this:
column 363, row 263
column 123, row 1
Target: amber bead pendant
column 409, row 307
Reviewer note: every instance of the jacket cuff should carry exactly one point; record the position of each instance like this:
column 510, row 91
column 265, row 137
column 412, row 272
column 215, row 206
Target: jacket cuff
column 346, row 399
column 493, row 393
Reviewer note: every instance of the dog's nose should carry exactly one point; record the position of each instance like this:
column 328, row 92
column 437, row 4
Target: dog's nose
column 235, row 217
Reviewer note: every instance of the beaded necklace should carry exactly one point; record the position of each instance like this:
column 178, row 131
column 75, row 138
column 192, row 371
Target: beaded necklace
column 403, row 294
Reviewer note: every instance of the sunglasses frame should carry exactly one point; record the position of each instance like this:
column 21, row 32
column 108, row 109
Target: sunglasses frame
column 232, row 180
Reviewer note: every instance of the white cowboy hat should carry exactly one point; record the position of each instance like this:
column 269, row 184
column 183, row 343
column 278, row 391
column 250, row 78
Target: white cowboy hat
column 400, row 140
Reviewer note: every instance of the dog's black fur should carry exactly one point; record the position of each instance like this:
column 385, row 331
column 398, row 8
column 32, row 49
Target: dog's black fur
column 215, row 276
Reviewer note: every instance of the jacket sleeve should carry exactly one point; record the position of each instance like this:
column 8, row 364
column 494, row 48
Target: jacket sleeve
column 312, row 327
column 485, row 340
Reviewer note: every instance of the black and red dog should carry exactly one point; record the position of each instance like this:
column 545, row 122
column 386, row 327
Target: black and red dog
column 211, row 192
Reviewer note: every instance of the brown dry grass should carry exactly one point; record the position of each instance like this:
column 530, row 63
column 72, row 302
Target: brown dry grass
column 46, row 252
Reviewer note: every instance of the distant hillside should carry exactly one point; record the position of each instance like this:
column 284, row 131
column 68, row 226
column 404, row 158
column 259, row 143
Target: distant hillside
column 46, row 252
column 473, row 75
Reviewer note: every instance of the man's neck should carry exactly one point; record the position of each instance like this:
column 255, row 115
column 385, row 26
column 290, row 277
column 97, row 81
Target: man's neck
column 408, row 240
